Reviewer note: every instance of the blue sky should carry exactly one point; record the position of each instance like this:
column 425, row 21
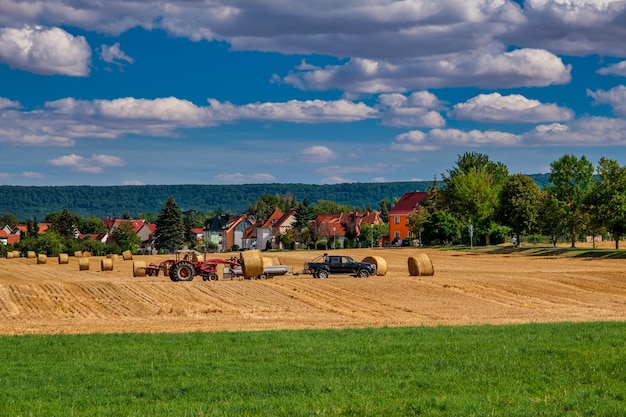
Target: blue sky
column 301, row 91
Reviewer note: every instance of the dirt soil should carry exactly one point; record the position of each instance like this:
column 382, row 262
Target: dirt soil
column 468, row 288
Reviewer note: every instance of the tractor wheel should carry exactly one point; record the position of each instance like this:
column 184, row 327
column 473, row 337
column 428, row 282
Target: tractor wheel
column 182, row 271
column 322, row 273
column 363, row 273
column 211, row 277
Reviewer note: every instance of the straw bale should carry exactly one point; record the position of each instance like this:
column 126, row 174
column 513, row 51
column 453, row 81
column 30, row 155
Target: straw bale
column 127, row 255
column 83, row 264
column 63, row 258
column 139, row 269
column 42, row 259
column 251, row 263
column 380, row 262
column 420, row 265
column 106, row 264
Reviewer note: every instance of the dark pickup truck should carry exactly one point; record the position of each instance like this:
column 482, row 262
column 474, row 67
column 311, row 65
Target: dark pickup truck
column 323, row 266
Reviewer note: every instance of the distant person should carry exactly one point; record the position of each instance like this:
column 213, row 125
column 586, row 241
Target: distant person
column 514, row 241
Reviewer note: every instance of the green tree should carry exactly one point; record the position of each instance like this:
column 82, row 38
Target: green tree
column 170, row 230
column 607, row 199
column 65, row 223
column 442, row 227
column 125, row 238
column 329, row 207
column 519, row 203
column 571, row 181
column 385, row 206
column 303, row 215
column 92, row 225
column 472, row 189
column 417, row 219
column 50, row 243
column 8, row 219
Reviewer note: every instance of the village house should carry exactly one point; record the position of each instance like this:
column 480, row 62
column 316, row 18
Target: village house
column 399, row 215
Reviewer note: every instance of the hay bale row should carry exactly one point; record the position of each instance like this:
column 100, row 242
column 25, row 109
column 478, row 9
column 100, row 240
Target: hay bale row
column 380, row 262
column 139, row 269
column 16, row 253
column 10, row 255
column 251, row 263
column 420, row 265
column 31, row 254
column 63, row 258
column 112, row 256
column 106, row 264
column 83, row 264
column 78, row 254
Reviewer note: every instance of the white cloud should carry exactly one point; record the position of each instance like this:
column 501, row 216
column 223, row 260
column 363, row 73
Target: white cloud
column 415, row 141
column 335, row 179
column 113, row 54
column 239, row 178
column 355, row 169
column 615, row 97
column 316, row 154
column 62, row 122
column 586, row 131
column 416, row 110
column 45, row 51
column 5, row 103
column 133, row 182
column 485, row 68
column 93, row 165
column 615, row 69
column 513, row 108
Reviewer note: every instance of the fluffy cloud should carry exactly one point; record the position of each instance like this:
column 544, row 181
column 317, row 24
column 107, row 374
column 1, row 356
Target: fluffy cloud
column 513, row 108
column 486, row 68
column 615, row 97
column 93, row 165
column 45, row 51
column 317, row 154
column 416, row 110
column 239, row 178
column 615, row 69
column 586, row 131
column 113, row 54
column 438, row 138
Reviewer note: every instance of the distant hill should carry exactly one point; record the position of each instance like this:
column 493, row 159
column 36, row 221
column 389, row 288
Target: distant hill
column 102, row 201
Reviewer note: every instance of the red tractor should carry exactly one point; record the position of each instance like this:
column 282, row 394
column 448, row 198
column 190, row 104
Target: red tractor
column 188, row 264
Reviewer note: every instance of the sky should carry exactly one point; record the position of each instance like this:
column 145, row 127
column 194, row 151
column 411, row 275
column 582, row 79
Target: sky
column 132, row 92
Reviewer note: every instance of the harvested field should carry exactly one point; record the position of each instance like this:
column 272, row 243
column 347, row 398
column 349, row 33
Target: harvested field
column 468, row 288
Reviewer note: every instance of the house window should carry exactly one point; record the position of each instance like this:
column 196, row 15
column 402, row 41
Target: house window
column 396, row 235
column 396, row 220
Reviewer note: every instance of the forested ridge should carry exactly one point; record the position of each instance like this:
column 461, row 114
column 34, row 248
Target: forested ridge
column 109, row 201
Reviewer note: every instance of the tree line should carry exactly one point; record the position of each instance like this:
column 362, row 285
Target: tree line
column 478, row 201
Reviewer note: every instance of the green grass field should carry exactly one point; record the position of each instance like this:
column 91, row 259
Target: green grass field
column 525, row 370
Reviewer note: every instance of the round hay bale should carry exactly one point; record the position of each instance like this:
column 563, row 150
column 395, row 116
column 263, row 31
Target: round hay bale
column 63, row 258
column 127, row 255
column 276, row 260
column 86, row 254
column 139, row 269
column 106, row 264
column 251, row 263
column 78, row 254
column 42, row 259
column 420, row 265
column 112, row 256
column 16, row 253
column 9, row 254
column 380, row 262
column 83, row 264
column 197, row 257
column 31, row 254
column 267, row 261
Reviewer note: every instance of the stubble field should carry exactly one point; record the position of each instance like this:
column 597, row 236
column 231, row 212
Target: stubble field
column 468, row 288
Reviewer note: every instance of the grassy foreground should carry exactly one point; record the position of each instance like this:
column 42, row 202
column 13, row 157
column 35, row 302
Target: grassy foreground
column 526, row 370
